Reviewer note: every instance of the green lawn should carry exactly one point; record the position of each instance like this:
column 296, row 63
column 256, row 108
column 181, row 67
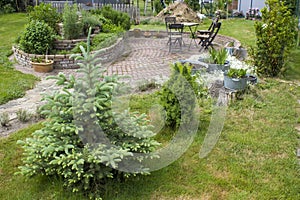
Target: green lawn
column 13, row 84
column 254, row 158
column 241, row 29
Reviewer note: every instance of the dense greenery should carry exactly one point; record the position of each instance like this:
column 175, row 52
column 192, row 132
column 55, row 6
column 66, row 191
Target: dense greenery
column 117, row 18
column 72, row 26
column 8, row 6
column 178, row 95
column 194, row 4
column 275, row 37
column 38, row 38
column 89, row 20
column 45, row 13
column 84, row 140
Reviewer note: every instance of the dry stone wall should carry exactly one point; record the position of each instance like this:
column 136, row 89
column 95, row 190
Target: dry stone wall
column 65, row 61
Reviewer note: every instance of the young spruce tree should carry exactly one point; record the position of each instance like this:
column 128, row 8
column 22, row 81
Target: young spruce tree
column 84, row 140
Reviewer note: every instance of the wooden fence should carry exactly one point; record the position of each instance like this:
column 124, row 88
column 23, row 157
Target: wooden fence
column 132, row 11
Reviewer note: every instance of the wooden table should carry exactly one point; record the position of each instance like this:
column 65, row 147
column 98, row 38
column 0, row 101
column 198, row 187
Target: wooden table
column 190, row 25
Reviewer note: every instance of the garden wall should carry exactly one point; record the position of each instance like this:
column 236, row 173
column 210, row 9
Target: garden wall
column 65, row 62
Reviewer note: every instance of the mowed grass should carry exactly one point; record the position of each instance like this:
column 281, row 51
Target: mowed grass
column 13, row 84
column 240, row 29
column 253, row 159
column 11, row 26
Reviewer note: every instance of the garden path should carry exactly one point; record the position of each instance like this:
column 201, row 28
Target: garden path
column 143, row 59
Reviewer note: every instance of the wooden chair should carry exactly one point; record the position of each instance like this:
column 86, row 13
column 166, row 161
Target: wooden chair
column 175, row 31
column 207, row 39
column 214, row 21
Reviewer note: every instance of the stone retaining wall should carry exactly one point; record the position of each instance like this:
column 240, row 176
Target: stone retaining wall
column 64, row 61
column 70, row 44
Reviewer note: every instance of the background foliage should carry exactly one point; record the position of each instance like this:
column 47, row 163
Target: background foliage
column 45, row 13
column 275, row 37
column 73, row 28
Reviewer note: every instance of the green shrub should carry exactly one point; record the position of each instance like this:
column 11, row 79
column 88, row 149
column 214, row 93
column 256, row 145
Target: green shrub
column 178, row 95
column 158, row 6
column 103, row 40
column 111, row 28
column 38, row 38
column 70, row 144
column 45, row 13
column 116, row 17
column 275, row 36
column 7, row 8
column 88, row 21
column 193, row 4
column 72, row 26
column 77, row 49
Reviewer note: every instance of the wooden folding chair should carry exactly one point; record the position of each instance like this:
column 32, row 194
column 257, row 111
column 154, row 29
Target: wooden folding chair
column 203, row 32
column 207, row 39
column 174, row 31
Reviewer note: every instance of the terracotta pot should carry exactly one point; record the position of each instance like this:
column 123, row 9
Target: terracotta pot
column 42, row 67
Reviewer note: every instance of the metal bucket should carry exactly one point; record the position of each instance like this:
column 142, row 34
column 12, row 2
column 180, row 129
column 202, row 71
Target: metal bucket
column 235, row 83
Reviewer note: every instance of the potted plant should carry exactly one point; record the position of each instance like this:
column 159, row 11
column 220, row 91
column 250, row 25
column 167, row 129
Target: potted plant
column 235, row 79
column 217, row 60
column 42, row 65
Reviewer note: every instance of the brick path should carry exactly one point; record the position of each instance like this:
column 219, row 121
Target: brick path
column 149, row 58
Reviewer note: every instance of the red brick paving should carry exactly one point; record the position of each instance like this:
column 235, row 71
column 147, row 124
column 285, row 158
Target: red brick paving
column 148, row 58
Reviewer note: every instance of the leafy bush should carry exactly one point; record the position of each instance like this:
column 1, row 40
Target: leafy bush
column 72, row 26
column 275, row 36
column 103, row 40
column 116, row 17
column 111, row 28
column 181, row 87
column 7, row 8
column 88, row 21
column 45, row 13
column 158, row 6
column 72, row 146
column 38, row 38
column 77, row 49
column 193, row 4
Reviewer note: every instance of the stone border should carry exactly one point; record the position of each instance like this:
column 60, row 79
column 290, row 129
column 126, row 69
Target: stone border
column 64, row 61
column 108, row 54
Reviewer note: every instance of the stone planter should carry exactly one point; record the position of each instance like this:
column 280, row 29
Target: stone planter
column 42, row 67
